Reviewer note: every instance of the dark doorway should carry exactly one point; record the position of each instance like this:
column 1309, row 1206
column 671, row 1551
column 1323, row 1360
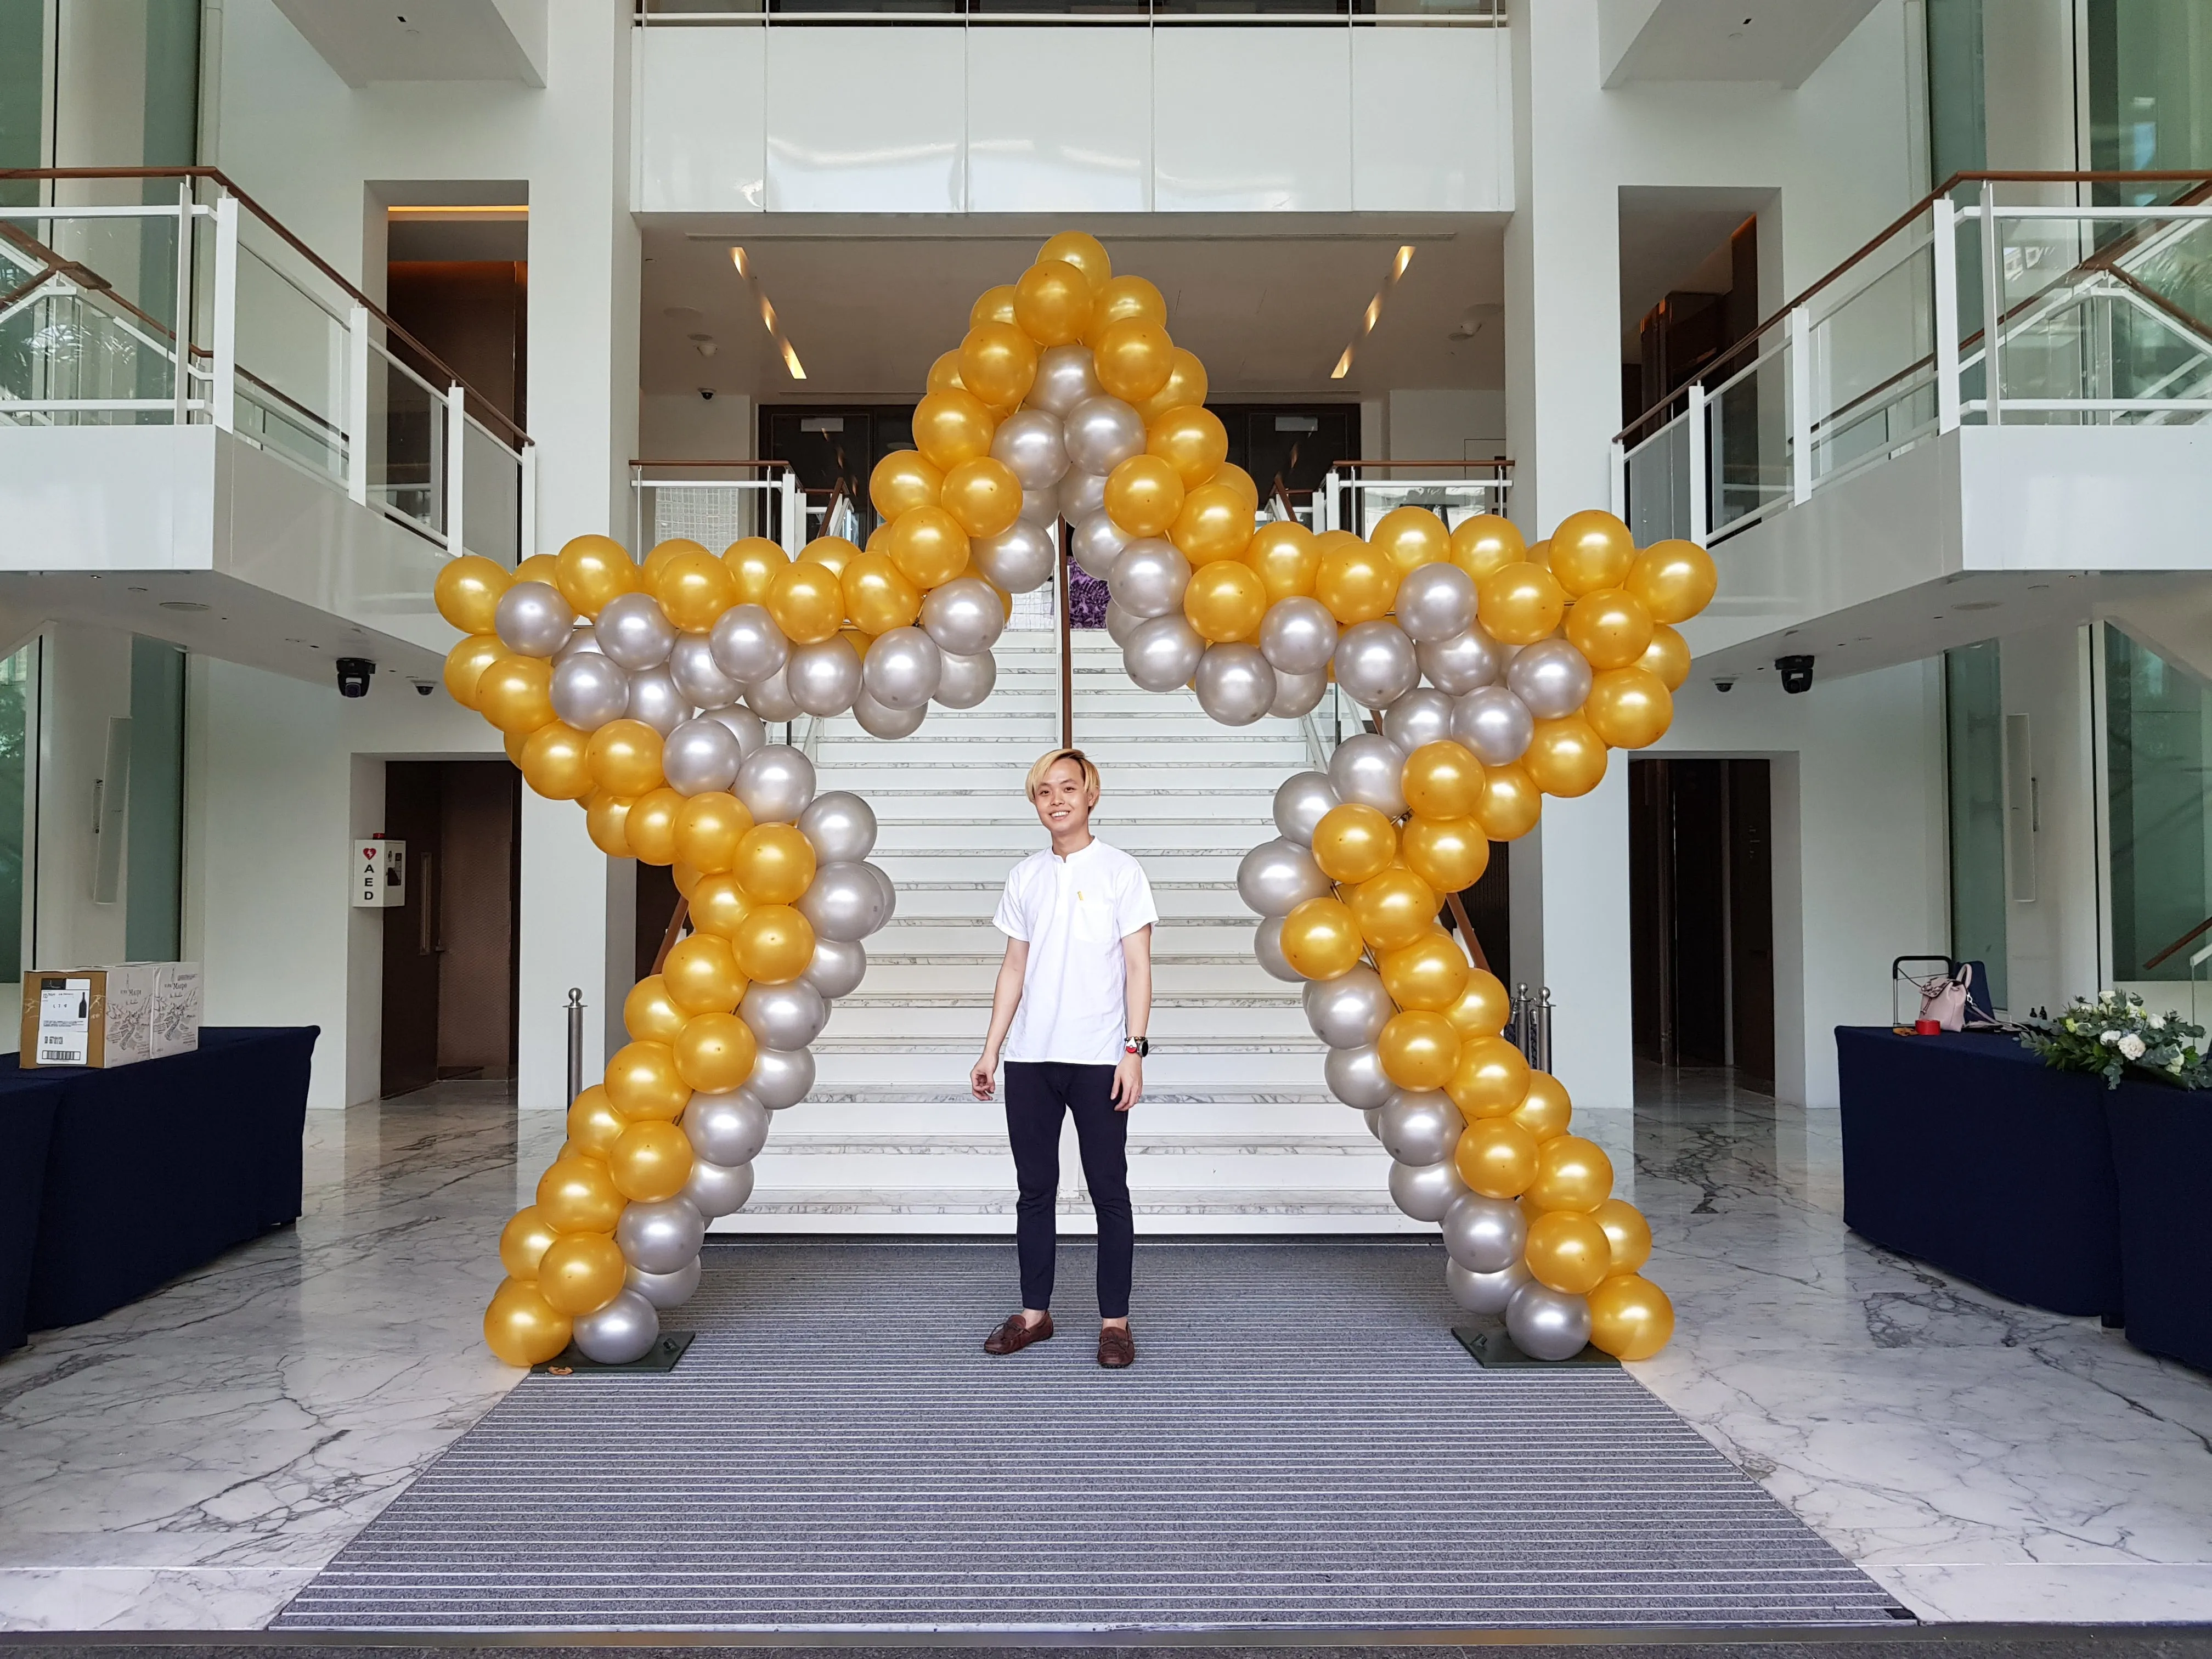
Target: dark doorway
column 474, row 315
column 1290, row 444
column 1489, row 907
column 1701, row 913
column 656, row 907
column 450, row 961
column 834, row 450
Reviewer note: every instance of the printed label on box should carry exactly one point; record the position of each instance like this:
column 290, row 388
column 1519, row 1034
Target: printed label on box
column 65, row 1023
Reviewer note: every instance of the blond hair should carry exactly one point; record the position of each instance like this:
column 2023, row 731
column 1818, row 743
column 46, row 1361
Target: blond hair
column 1050, row 757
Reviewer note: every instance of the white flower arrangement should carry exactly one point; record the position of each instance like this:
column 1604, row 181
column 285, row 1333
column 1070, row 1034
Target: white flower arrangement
column 2110, row 1034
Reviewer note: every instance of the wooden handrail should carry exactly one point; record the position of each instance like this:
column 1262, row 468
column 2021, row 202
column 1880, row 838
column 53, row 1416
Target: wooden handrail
column 786, row 465
column 1496, row 464
column 1467, row 931
column 2194, row 932
column 676, row 918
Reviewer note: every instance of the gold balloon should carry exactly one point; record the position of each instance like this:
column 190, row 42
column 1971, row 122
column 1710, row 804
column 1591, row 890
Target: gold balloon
column 1540, row 555
column 1490, row 1078
column 593, row 1123
column 515, row 694
column 650, row 1015
column 577, row 1195
column 719, row 904
column 623, row 757
column 903, row 479
column 1630, row 1317
column 1052, row 304
column 945, row 370
column 752, row 562
column 651, row 1163
column 1609, row 626
column 1356, row 582
column 928, row 546
column 1229, row 475
column 775, row 863
column 1321, row 938
column 1125, row 296
column 878, row 595
column 1496, row 1157
column 466, row 664
column 807, row 600
column 1629, row 708
column 774, row 944
column 657, row 559
column 1215, row 523
column 1485, row 543
column 1672, row 580
column 468, row 589
column 539, row 568
column 1520, row 604
column 1450, row 854
column 1225, row 601
column 1668, row 656
column 520, row 1326
column 591, row 569
column 1566, row 758
column 1418, row 1048
column 1572, row 1174
column 1590, row 550
column 1354, row 842
column 1191, row 439
column 709, row 830
column 1429, row 973
column 1566, row 1251
column 650, row 828
column 1186, row 384
column 554, row 762
column 983, row 496
column 1394, row 908
column 685, row 876
column 1410, row 536
column 1544, row 1110
column 523, row 1241
column 1144, row 494
column 998, row 362
column 714, row 1053
column 702, row 976
column 580, row 1272
column 1626, row 1229
column 606, row 818
column 1483, row 1008
column 1511, row 802
column 1285, row 557
column 1083, row 251
column 1443, row 780
column 994, row 305
column 832, row 553
column 515, row 742
column 694, row 588
column 642, row 1083
column 952, row 427
column 1135, row 360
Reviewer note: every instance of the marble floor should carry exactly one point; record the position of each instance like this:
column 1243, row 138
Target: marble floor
column 187, row 1462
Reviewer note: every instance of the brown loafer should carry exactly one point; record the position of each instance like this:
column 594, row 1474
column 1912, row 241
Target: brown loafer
column 1116, row 1348
column 1015, row 1334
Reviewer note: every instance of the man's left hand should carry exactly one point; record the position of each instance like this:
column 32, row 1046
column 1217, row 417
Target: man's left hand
column 1129, row 1083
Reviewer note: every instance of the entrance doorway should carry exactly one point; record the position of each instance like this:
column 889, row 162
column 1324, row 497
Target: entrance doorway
column 450, row 961
column 1701, row 913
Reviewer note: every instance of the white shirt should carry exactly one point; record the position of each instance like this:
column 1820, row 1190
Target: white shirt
column 1074, row 912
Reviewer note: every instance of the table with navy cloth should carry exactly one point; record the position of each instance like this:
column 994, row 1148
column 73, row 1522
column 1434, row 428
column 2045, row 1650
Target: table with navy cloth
column 147, row 1171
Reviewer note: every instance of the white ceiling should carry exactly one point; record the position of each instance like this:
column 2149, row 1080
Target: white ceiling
column 371, row 40
column 1781, row 41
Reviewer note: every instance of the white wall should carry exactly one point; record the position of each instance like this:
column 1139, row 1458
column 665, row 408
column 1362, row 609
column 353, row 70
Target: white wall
column 1445, row 426
column 2051, row 939
column 84, row 680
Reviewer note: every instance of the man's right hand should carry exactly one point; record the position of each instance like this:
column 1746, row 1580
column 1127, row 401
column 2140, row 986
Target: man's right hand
column 979, row 1078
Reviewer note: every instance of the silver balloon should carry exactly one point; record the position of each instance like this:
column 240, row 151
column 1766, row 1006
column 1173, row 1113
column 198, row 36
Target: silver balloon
column 878, row 721
column 784, row 1016
column 1375, row 663
column 1547, row 1324
column 1301, row 801
column 963, row 617
column 1298, row 695
column 747, row 644
column 1020, row 560
column 1421, row 716
column 1267, row 945
column 589, row 690
column 839, row 825
column 1164, row 653
column 1485, row 1293
column 633, row 631
column 1486, row 1235
column 1041, row 508
column 1355, row 1076
column 781, row 1078
column 1277, row 876
column 1297, row 634
column 823, row 677
column 902, row 665
column 1368, row 768
column 966, row 681
column 1436, row 602
column 1028, row 442
column 1121, row 622
column 1550, row 677
column 717, row 1188
column 534, row 619
column 841, row 903
column 691, row 663
column 775, row 782
column 1373, row 1119
column 1234, row 684
column 725, row 1129
column 625, row 1329
column 1102, row 433
column 700, row 755
column 1420, row 1127
column 1065, row 376
column 582, row 639
column 771, row 699
column 1098, row 544
column 888, row 889
column 1458, row 665
column 654, row 699
column 665, row 1290
column 1081, row 495
column 1350, row 1010
column 660, row 1237
column 838, row 967
column 1494, row 723
column 744, row 725
column 1425, row 1191
column 1150, row 577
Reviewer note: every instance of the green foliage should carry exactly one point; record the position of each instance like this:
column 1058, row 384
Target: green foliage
column 2115, row 1034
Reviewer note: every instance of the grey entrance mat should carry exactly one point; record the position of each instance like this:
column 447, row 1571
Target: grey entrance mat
column 1302, row 1444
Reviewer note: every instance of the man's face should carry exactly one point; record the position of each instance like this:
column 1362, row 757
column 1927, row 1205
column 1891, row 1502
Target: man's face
column 1064, row 799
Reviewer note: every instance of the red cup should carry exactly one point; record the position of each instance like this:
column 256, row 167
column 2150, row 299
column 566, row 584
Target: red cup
column 1927, row 1027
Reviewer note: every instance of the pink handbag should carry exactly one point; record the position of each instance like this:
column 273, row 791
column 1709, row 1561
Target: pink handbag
column 1944, row 1001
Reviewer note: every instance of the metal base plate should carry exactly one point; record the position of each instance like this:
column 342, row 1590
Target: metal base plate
column 662, row 1356
column 1494, row 1351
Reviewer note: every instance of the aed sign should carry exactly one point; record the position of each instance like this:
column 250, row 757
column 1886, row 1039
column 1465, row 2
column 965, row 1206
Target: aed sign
column 379, row 874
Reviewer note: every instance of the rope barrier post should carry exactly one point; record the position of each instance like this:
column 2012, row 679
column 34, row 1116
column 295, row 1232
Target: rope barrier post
column 575, row 1041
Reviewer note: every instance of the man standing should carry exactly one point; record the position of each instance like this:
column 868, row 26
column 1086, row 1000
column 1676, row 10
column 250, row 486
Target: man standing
column 1074, row 997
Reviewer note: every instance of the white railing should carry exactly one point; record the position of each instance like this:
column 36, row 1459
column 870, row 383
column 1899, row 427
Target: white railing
column 717, row 502
column 1136, row 14
column 200, row 308
column 2101, row 314
column 1354, row 493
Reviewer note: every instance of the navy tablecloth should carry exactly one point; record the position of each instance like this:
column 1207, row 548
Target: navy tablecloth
column 2162, row 1152
column 28, row 1101
column 1966, row 1152
column 156, row 1168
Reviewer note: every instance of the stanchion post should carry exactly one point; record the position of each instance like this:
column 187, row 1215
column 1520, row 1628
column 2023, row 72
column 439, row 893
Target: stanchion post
column 1543, row 1028
column 575, row 1043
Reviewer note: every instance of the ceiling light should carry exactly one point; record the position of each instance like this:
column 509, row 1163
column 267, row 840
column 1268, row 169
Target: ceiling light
column 1368, row 318
column 737, row 258
column 1343, row 365
column 768, row 315
column 791, row 361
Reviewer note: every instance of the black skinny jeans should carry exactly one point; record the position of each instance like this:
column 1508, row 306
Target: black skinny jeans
column 1038, row 1092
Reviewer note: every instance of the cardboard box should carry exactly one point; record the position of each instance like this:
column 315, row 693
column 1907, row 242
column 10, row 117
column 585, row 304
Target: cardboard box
column 111, row 1016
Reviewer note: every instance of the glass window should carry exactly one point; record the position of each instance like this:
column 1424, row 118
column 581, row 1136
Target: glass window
column 152, row 916
column 2157, row 717
column 18, row 674
column 1973, row 707
column 2150, row 90
column 1958, row 138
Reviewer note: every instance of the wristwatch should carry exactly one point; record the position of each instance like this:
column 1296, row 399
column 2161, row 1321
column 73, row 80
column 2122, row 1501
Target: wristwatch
column 1138, row 1046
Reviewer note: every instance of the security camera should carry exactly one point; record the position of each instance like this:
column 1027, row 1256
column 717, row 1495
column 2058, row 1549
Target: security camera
column 1724, row 683
column 354, row 676
column 424, row 688
column 1797, row 674
column 706, row 394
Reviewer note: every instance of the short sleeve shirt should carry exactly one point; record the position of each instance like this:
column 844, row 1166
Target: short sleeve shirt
column 1074, row 912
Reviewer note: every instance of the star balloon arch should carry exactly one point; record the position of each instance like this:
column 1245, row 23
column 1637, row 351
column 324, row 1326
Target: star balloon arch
column 1498, row 673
